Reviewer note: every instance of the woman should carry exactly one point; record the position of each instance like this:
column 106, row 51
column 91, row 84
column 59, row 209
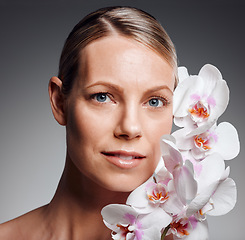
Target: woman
column 113, row 93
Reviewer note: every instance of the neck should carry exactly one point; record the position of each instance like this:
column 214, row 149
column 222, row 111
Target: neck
column 77, row 204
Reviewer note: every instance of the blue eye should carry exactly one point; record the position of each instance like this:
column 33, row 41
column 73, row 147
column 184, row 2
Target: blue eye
column 101, row 97
column 155, row 102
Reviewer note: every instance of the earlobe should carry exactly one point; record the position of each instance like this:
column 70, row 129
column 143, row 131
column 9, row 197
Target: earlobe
column 56, row 99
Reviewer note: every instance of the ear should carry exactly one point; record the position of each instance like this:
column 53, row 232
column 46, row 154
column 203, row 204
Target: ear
column 57, row 100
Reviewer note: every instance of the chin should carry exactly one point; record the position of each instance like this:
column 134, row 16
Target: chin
column 125, row 183
column 120, row 188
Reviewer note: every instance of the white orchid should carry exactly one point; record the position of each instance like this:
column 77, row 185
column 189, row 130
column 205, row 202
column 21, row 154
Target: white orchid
column 191, row 180
column 222, row 139
column 179, row 195
column 170, row 188
column 182, row 171
column 188, row 229
column 157, row 191
column 200, row 99
column 223, row 199
column 199, row 184
column 127, row 224
column 215, row 194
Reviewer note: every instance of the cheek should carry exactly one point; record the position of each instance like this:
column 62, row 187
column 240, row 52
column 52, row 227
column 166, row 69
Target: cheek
column 79, row 131
column 155, row 128
column 159, row 125
column 85, row 127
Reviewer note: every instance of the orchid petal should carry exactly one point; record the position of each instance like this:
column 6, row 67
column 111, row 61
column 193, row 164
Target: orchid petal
column 160, row 165
column 151, row 234
column 182, row 95
column 171, row 155
column 127, row 224
column 197, row 154
column 173, row 206
column 183, row 142
column 228, row 145
column 182, row 73
column 224, row 198
column 185, row 184
column 158, row 218
column 183, row 121
column 168, row 138
column 200, row 232
column 221, row 94
column 211, row 72
column 114, row 213
column 139, row 200
column 110, row 226
column 211, row 75
column 201, row 129
column 225, row 174
column 201, row 200
column 201, row 99
column 163, row 176
column 213, row 167
column 130, row 236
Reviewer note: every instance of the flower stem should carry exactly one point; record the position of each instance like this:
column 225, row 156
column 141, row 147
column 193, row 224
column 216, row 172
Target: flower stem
column 165, row 232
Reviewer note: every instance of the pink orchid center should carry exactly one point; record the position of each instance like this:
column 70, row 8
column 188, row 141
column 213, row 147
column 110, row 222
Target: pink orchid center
column 124, row 230
column 202, row 143
column 199, row 111
column 179, row 228
column 205, row 141
column 157, row 193
column 134, row 227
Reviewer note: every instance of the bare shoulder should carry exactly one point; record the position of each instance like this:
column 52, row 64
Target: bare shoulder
column 10, row 230
column 25, row 227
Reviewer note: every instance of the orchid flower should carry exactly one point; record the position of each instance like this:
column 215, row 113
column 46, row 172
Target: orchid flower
column 161, row 205
column 223, row 198
column 222, row 139
column 182, row 171
column 200, row 99
column 188, row 229
column 127, row 224
column 191, row 180
column 170, row 188
column 216, row 194
column 157, row 191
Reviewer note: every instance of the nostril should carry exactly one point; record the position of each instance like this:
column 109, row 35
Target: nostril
column 129, row 125
column 128, row 136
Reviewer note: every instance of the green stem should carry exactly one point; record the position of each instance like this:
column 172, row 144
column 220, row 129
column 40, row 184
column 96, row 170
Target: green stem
column 165, row 232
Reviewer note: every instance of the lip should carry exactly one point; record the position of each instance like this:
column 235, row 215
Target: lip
column 123, row 159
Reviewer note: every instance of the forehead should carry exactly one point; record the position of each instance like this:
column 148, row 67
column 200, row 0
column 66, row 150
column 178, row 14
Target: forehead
column 123, row 60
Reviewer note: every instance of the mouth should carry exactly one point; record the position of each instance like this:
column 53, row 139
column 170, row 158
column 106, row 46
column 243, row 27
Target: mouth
column 124, row 159
column 123, row 156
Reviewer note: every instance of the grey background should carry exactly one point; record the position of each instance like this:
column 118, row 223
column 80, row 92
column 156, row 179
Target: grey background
column 32, row 144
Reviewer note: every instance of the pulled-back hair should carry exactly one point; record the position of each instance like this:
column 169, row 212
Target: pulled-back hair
column 125, row 21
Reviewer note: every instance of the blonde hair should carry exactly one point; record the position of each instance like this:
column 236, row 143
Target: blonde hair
column 126, row 21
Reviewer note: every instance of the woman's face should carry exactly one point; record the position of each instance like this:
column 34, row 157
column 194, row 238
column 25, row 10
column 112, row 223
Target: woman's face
column 119, row 107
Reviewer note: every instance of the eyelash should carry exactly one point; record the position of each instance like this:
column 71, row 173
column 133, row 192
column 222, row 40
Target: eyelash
column 93, row 96
column 164, row 100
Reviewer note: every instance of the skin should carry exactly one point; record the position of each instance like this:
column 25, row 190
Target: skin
column 120, row 103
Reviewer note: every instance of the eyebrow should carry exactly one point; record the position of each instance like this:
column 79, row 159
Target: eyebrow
column 120, row 89
column 106, row 84
column 158, row 88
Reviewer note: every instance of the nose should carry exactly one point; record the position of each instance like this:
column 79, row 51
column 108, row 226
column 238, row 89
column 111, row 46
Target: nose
column 129, row 125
